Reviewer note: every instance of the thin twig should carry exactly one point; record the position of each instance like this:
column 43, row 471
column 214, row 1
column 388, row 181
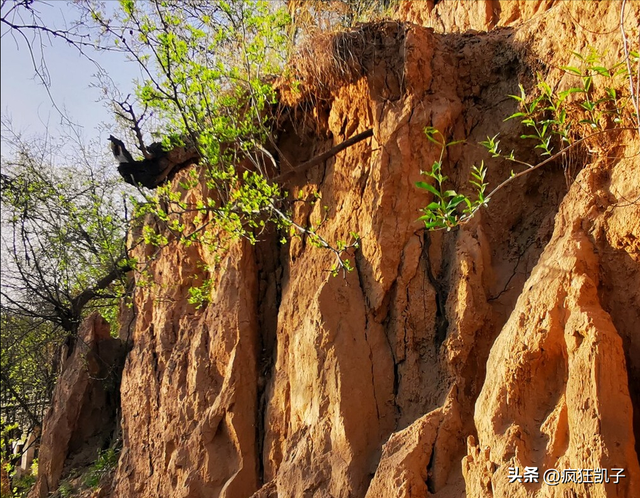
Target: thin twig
column 634, row 95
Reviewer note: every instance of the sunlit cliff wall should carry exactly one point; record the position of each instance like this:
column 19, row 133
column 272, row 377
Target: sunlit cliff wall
column 444, row 358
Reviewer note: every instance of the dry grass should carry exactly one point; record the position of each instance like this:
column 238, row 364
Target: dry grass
column 326, row 61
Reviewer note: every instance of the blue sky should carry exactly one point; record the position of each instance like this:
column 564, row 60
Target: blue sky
column 25, row 100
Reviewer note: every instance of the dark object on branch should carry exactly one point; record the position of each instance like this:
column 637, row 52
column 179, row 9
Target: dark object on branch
column 120, row 152
column 157, row 168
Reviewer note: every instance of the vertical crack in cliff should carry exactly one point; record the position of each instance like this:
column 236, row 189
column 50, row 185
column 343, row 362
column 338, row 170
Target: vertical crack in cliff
column 397, row 362
column 158, row 407
column 430, row 482
column 519, row 257
column 431, row 466
column 366, row 335
column 386, row 322
column 441, row 320
column 269, row 267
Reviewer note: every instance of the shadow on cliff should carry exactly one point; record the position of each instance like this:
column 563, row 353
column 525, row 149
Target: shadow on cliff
column 620, row 297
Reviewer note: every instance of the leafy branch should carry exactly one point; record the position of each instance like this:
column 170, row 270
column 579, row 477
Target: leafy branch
column 552, row 119
column 207, row 69
column 443, row 212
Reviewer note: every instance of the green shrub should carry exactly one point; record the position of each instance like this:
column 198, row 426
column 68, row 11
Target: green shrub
column 106, row 462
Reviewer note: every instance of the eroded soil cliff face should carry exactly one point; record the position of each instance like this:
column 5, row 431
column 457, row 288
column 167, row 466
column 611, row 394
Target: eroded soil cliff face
column 84, row 412
column 444, row 358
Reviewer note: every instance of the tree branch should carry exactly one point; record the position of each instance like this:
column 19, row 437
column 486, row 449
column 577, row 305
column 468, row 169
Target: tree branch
column 21, row 401
column 326, row 155
column 80, row 301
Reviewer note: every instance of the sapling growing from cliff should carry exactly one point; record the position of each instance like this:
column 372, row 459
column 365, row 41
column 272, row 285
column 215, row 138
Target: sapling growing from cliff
column 555, row 121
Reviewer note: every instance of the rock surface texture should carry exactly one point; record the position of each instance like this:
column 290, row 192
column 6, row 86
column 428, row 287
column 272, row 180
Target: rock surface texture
column 84, row 412
column 444, row 358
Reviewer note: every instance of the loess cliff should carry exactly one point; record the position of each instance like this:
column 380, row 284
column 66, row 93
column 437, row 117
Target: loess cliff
column 445, row 358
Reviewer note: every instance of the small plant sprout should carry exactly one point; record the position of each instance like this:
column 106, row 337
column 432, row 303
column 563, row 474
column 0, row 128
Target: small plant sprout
column 444, row 211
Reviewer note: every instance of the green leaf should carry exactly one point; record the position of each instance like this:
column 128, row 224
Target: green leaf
column 578, row 55
column 430, row 133
column 453, row 203
column 544, row 87
column 602, row 71
column 455, row 142
column 428, row 188
column 515, row 115
column 434, row 224
column 572, row 70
